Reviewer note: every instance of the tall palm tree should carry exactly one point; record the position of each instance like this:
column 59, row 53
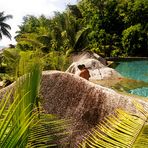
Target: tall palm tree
column 4, row 27
column 71, row 32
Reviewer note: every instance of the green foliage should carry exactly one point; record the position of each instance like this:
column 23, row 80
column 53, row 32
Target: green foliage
column 134, row 40
column 55, row 61
column 120, row 130
column 29, row 25
column 4, row 27
column 98, row 25
column 80, row 39
column 22, row 122
column 113, row 17
column 47, row 131
column 133, row 11
column 17, row 116
column 34, row 33
column 59, row 33
column 11, row 59
column 23, row 45
column 28, row 58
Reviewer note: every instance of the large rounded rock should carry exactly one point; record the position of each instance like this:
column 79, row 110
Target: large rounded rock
column 85, row 103
column 88, row 55
column 96, row 66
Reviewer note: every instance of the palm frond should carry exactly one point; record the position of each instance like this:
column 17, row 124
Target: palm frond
column 16, row 113
column 10, row 55
column 120, row 130
column 3, row 26
column 24, row 125
column 47, row 131
column 79, row 37
column 30, row 38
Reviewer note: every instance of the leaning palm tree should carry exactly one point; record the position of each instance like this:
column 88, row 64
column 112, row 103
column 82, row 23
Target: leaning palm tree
column 4, row 27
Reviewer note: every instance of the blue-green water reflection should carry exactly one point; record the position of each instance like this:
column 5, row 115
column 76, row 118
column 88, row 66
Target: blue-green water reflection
column 137, row 70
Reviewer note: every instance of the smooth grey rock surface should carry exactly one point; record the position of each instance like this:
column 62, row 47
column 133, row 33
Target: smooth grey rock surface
column 96, row 66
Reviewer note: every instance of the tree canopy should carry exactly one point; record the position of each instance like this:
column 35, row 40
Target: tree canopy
column 107, row 27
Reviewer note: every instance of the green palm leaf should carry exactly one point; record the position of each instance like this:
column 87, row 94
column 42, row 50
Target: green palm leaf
column 4, row 27
column 123, row 130
column 21, row 123
column 80, row 37
column 16, row 114
column 30, row 38
column 48, row 131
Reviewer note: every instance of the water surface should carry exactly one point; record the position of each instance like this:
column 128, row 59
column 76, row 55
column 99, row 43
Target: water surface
column 136, row 70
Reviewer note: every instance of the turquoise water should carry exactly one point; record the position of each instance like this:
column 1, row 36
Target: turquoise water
column 137, row 70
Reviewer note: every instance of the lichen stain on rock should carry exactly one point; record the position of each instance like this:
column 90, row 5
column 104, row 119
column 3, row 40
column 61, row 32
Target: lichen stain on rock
column 91, row 116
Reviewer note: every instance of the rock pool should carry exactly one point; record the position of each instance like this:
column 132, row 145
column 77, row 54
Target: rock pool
column 136, row 70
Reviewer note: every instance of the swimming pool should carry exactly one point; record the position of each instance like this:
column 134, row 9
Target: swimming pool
column 137, row 70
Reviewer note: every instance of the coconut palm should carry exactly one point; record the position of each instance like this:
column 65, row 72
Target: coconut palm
column 21, row 123
column 72, row 34
column 123, row 130
column 4, row 27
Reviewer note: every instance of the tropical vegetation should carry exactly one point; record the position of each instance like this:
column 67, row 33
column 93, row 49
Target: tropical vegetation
column 4, row 27
column 23, row 122
column 110, row 28
column 120, row 130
